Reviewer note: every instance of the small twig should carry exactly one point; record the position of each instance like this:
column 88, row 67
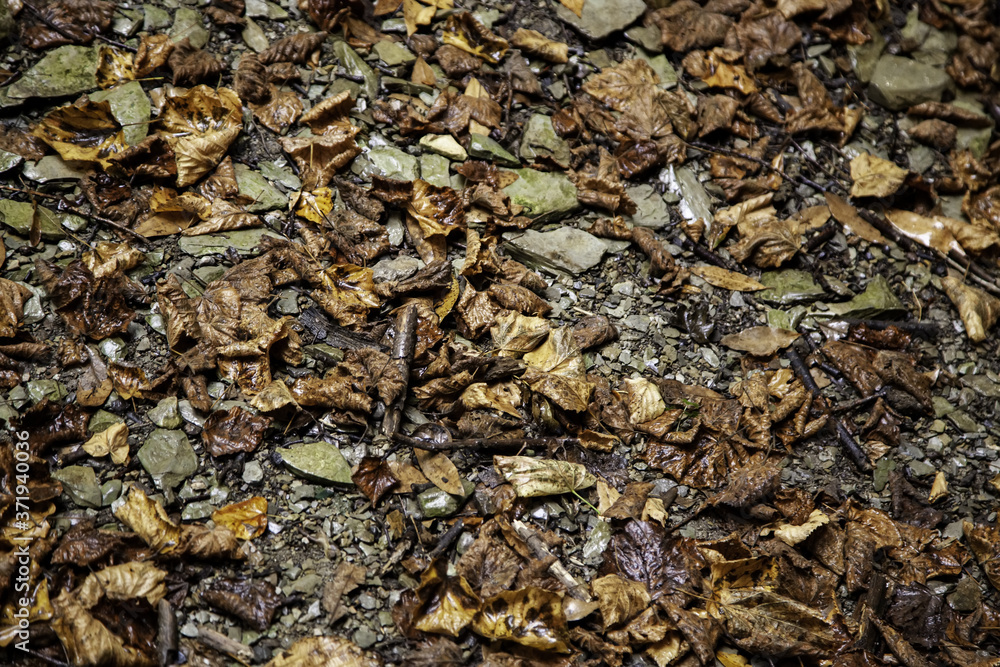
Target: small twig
column 402, row 355
column 64, row 206
column 927, row 329
column 484, row 443
column 858, row 402
column 575, row 588
column 847, row 442
column 801, row 180
column 223, row 644
column 446, row 540
column 705, row 254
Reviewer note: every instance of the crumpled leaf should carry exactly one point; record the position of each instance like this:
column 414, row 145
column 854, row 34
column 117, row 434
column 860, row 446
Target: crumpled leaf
column 247, row 519
column 66, row 22
column 235, row 430
column 792, row 534
column 193, row 66
column 374, row 477
column 875, row 177
column 515, row 334
column 464, row 31
column 984, row 541
column 686, row 25
column 556, row 370
column 621, row 599
column 667, row 565
column 91, row 306
column 295, row 48
column 979, row 310
column 530, row 616
column 944, row 234
column 320, row 157
column 730, row 280
column 760, row 341
column 537, row 44
column 199, row 126
column 643, row 400
column 347, row 294
column 325, row 652
column 12, row 299
column 85, row 131
column 253, row 601
column 717, row 70
column 532, row 477
column 113, row 441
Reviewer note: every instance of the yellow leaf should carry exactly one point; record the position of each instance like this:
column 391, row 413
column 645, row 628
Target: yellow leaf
column 531, row 617
column 621, row 599
column 875, row 177
column 643, row 400
column 415, row 14
column 113, row 440
column 247, row 519
column 792, row 535
column 730, row 280
column 939, row 489
column 979, row 310
column 313, row 206
column 199, row 126
column 440, row 471
column 86, row 131
column 325, row 652
column 575, row 6
column 533, row 477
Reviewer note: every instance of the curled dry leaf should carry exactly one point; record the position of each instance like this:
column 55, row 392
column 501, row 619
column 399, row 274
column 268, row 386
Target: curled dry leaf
column 944, row 234
column 875, row 177
column 320, row 157
column 153, row 53
column 374, row 477
column 531, row 616
column 253, row 601
column 464, row 31
column 199, row 126
column 12, row 299
column 760, row 341
column 533, row 477
column 730, row 280
column 113, row 441
column 85, row 131
column 556, row 370
column 294, row 48
column 979, row 310
column 537, row 44
column 247, row 519
column 251, row 82
column 192, row 66
column 66, row 22
column 325, row 652
column 620, row 599
column 235, row 430
column 91, row 306
column 792, row 534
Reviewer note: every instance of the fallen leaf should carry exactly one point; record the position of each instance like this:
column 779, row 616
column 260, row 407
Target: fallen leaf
column 531, row 616
column 325, row 652
column 730, row 280
column 532, row 477
column 247, row 519
column 199, row 126
column 760, row 341
column 440, row 471
column 537, row 44
column 253, row 601
column 979, row 310
column 621, row 600
column 113, row 441
column 875, row 177
column 792, row 534
column 939, row 489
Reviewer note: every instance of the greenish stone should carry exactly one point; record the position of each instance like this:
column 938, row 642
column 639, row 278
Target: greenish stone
column 545, row 196
column 355, row 66
column 188, row 24
column 319, row 462
column 66, row 70
column 647, row 37
column 788, row 286
column 54, row 168
column 7, row 411
column 156, row 18
column 937, row 47
column 565, row 249
column 80, row 484
column 437, row 503
column 598, row 539
column 166, row 414
column 393, row 53
column 110, row 492
column 254, row 37
column 324, row 353
column 393, row 163
column 252, row 184
column 283, row 176
column 168, row 457
column 42, row 389
column 197, row 510
column 434, row 170
column 340, row 85
column 127, row 22
column 101, row 421
column 113, row 348
column 694, row 201
column 541, row 141
column 880, row 476
column 7, row 22
column 942, row 407
column 262, row 9
column 9, row 160
column 483, row 147
column 878, row 300
column 651, row 210
column 208, row 274
column 130, row 107
column 964, row 422
column 966, row 597
column 921, row 469
column 660, row 65
column 444, row 145
column 243, row 241
column 864, row 57
column 600, row 18
column 898, row 83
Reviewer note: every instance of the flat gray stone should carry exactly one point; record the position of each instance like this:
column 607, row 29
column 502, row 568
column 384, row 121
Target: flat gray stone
column 483, row 147
column 252, row 184
column 254, row 37
column 541, row 141
column 651, row 210
column 565, row 249
column 399, row 268
column 694, row 200
column 435, row 169
column 111, row 490
column 66, row 70
column 393, row 53
column 188, row 24
column 898, row 83
column 788, row 287
column 545, row 196
column 9, row 160
column 130, row 107
column 155, row 18
column 600, row 18
column 261, row 9
column 18, row 215
column 281, row 175
column 54, row 168
column 80, row 484
column 168, row 457
column 393, row 163
column 166, row 414
column 864, row 57
column 320, row 462
column 437, row 503
column 242, row 240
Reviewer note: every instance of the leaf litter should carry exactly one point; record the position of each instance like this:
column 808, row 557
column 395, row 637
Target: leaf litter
column 758, row 427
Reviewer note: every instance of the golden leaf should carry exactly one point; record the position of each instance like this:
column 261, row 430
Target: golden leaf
column 199, row 126
column 415, row 14
column 760, row 341
column 113, row 440
column 533, row 477
column 86, row 131
column 642, row 399
column 621, row 599
column 247, row 519
column 791, row 534
column 313, row 206
column 440, row 471
column 979, row 310
column 575, row 6
column 532, row 617
column 730, row 280
column 537, row 44
column 325, row 652
column 875, row 177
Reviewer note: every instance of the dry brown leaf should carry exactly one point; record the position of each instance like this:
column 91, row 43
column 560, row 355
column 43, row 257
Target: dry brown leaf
column 320, row 157
column 621, row 599
column 192, row 66
column 939, row 489
column 557, row 371
column 531, row 616
column 199, row 126
column 760, row 341
column 792, row 534
column 575, row 6
column 944, row 234
column 979, row 310
column 113, row 441
column 282, row 108
column 325, row 652
column 537, row 44
column 440, row 471
column 875, row 177
column 467, row 33
column 642, row 399
column 295, row 48
column 730, row 280
column 532, row 477
column 848, row 216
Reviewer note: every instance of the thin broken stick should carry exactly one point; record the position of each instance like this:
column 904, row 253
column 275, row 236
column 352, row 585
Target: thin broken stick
column 402, row 354
column 484, row 443
column 558, row 570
